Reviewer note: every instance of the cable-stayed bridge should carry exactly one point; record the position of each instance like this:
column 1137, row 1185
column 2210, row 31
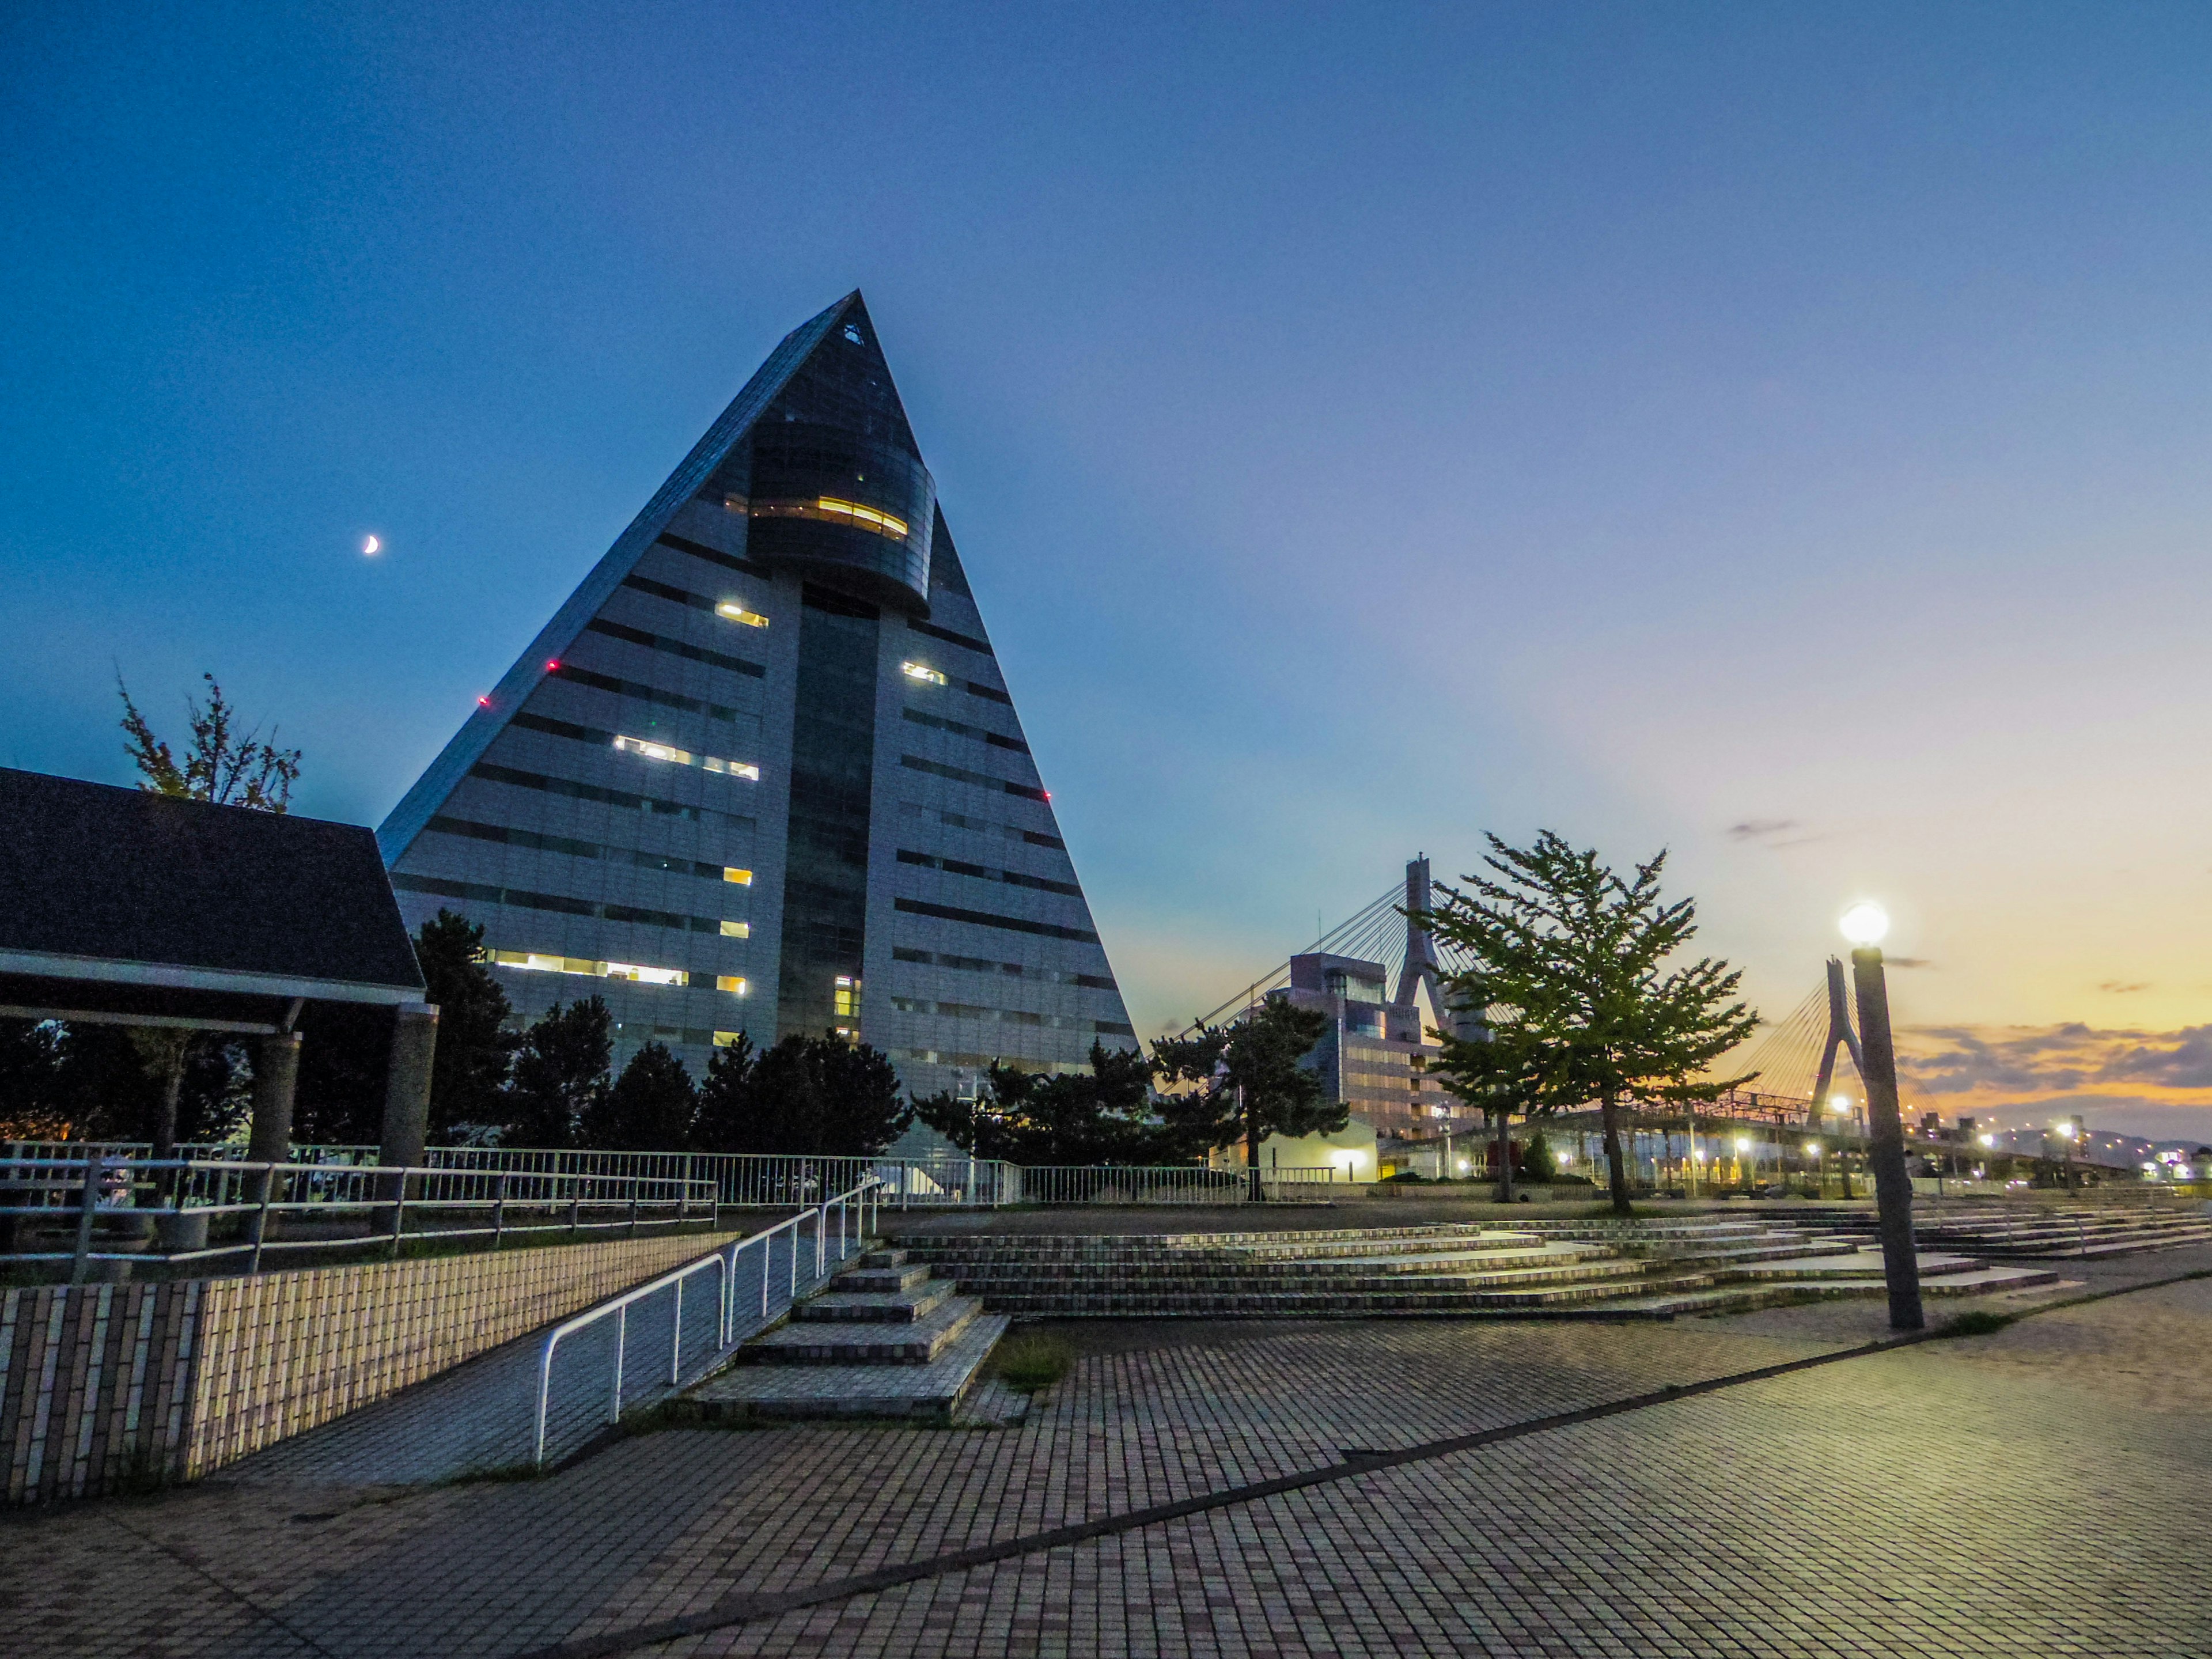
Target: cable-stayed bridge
column 1373, row 972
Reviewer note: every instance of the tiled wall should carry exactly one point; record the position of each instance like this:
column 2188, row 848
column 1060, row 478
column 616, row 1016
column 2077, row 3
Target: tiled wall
column 95, row 1386
column 103, row 1384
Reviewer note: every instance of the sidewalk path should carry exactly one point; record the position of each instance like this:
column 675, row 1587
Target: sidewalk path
column 2044, row 1490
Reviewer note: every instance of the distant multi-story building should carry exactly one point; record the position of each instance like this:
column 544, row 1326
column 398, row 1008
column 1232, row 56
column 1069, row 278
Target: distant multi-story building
column 1373, row 1056
column 761, row 774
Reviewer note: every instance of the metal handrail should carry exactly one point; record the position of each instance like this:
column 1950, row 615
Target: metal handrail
column 726, row 1260
column 255, row 1191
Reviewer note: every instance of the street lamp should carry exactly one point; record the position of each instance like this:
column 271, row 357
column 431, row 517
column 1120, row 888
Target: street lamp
column 1864, row 924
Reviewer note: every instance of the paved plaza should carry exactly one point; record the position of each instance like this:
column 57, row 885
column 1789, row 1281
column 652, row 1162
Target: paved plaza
column 2043, row 1490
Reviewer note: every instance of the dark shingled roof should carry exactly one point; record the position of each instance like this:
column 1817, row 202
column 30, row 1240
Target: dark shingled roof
column 88, row 870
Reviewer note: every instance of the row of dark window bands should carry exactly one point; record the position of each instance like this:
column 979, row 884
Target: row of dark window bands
column 652, row 641
column 980, row 780
column 701, row 602
column 515, row 777
column 537, row 842
column 516, row 898
column 977, row 733
column 691, row 1037
column 748, row 566
column 644, row 693
column 987, row 919
column 986, row 965
column 986, row 826
column 599, row 740
column 1011, row 1016
column 981, row 873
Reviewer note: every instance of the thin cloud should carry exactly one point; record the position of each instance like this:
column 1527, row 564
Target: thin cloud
column 2056, row 1059
column 1760, row 829
column 2124, row 987
column 1907, row 962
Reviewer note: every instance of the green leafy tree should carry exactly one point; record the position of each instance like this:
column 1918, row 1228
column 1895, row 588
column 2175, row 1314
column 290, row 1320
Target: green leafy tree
column 1028, row 1117
column 1499, row 1074
column 1538, row 1161
column 649, row 1109
column 1570, row 961
column 1245, row 1082
column 820, row 1096
column 559, row 1075
column 220, row 764
column 469, row 1067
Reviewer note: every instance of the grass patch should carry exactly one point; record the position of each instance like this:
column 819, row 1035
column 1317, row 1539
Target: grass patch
column 1028, row 1360
column 1979, row 1321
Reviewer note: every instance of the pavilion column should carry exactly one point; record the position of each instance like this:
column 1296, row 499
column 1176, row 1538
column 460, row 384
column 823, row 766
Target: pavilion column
column 407, row 1099
column 269, row 1137
column 275, row 1078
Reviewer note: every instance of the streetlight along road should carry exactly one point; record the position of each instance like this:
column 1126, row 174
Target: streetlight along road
column 1864, row 924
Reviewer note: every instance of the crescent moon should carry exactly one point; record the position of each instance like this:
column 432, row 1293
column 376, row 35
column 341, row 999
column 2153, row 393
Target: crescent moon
column 372, row 545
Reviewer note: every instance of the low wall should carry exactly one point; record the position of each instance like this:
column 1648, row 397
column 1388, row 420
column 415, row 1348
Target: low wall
column 95, row 1387
column 103, row 1385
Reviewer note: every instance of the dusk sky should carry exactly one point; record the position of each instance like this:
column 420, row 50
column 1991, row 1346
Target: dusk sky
column 1776, row 433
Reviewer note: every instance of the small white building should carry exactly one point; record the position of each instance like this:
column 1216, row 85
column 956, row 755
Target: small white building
column 1348, row 1155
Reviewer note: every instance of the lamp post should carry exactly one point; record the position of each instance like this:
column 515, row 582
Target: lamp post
column 1864, row 924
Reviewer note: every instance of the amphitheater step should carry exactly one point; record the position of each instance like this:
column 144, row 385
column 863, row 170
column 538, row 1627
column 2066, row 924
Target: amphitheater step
column 901, row 1307
column 809, row 1342
column 932, row 1391
column 883, row 1280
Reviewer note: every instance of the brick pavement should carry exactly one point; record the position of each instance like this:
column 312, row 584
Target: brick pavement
column 2039, row 1491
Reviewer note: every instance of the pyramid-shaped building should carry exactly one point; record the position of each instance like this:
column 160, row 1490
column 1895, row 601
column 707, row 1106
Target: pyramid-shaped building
column 760, row 773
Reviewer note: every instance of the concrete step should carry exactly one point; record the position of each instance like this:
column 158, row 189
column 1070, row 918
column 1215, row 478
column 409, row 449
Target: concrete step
column 929, row 1391
column 1317, row 1304
column 882, row 1281
column 998, row 1284
column 905, row 1307
column 1229, row 1265
column 885, row 1259
column 810, row 1342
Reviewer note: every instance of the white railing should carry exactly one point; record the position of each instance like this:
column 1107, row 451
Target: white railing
column 177, row 1203
column 856, row 1209
column 1108, row 1183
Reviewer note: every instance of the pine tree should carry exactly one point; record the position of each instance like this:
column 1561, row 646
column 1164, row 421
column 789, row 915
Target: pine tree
column 1569, row 961
column 1249, row 1081
column 1028, row 1117
column 725, row 1106
column 649, row 1109
column 820, row 1096
column 560, row 1073
column 469, row 1068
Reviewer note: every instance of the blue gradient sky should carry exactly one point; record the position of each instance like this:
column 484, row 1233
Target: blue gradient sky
column 1777, row 432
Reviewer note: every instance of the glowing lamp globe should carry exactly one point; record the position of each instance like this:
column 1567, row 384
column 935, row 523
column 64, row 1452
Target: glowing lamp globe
column 1865, row 923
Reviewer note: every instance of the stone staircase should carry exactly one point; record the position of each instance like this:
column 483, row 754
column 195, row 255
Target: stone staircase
column 2075, row 1232
column 1607, row 1270
column 885, row 1339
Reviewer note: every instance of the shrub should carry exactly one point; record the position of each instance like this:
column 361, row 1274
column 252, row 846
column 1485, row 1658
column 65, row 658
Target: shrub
column 1028, row 1360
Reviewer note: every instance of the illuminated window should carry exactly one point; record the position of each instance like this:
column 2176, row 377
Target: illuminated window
column 539, row 962
column 727, row 1039
column 830, row 510
column 737, row 930
column 662, row 751
column 743, row 878
column 731, row 610
column 731, row 983
column 847, row 1004
column 915, row 670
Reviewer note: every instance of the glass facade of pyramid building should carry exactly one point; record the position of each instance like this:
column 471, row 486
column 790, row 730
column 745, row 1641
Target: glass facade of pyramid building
column 760, row 773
